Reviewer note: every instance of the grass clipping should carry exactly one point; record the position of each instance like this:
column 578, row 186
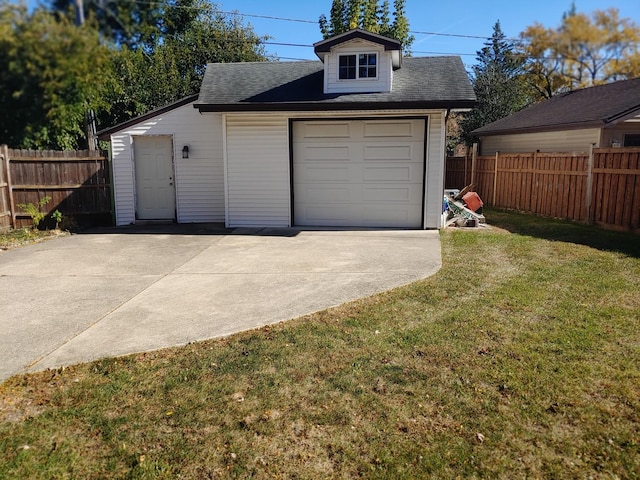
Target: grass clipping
column 519, row 359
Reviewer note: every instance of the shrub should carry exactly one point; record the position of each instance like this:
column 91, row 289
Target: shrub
column 34, row 210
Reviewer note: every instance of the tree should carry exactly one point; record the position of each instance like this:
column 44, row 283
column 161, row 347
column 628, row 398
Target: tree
column 583, row 51
column 497, row 82
column 370, row 15
column 155, row 75
column 125, row 22
column 52, row 73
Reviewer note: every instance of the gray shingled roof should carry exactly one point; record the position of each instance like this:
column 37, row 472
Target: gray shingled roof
column 424, row 82
column 588, row 107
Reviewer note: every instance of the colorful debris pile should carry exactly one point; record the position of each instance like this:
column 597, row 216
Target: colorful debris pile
column 462, row 208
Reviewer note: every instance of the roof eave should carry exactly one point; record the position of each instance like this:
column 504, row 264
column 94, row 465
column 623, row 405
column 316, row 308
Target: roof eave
column 333, row 106
column 326, row 45
column 105, row 134
column 622, row 116
column 538, row 128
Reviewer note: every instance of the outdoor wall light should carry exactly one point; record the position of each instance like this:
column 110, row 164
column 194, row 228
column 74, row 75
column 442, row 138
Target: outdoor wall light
column 185, row 151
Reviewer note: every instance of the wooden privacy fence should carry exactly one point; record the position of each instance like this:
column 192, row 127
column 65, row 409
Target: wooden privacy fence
column 600, row 187
column 78, row 183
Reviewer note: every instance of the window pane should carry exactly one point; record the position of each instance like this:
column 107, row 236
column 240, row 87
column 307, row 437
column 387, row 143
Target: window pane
column 347, row 67
column 367, row 65
column 632, row 140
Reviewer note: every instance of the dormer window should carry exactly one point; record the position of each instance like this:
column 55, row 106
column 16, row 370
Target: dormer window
column 358, row 61
column 363, row 65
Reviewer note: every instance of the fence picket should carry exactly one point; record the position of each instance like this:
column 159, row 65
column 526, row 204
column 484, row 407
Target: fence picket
column 560, row 184
column 78, row 183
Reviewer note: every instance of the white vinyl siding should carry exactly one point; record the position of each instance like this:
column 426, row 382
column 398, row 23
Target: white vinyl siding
column 382, row 82
column 555, row 141
column 199, row 179
column 257, row 164
column 616, row 134
column 434, row 186
column 257, row 168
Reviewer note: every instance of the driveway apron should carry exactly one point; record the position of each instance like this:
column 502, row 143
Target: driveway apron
column 115, row 292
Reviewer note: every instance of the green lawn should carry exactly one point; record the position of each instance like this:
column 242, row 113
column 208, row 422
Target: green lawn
column 519, row 359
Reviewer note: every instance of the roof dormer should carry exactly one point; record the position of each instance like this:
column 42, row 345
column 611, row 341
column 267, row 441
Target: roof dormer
column 358, row 61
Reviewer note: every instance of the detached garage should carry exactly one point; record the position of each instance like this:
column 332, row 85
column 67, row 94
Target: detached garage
column 354, row 140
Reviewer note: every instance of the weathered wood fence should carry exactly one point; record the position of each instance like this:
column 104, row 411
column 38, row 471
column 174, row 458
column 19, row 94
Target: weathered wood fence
column 600, row 187
column 78, row 183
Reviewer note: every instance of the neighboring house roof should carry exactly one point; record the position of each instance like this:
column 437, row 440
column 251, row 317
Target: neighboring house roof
column 104, row 134
column 422, row 82
column 590, row 107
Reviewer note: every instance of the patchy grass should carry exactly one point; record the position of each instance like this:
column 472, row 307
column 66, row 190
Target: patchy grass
column 26, row 236
column 519, row 359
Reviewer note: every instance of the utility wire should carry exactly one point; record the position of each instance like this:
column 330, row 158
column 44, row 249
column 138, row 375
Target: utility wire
column 299, row 20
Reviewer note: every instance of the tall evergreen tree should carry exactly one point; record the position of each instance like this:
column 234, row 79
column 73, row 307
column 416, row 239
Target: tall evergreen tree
column 497, row 81
column 370, row 15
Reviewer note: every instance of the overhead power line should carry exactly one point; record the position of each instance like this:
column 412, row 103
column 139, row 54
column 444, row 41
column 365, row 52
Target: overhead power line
column 300, row 20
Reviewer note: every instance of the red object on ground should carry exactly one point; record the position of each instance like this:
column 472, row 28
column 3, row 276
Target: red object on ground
column 473, row 201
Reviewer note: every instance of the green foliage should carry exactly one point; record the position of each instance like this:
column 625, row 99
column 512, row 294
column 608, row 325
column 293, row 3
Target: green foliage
column 128, row 58
column 52, row 73
column 583, row 51
column 498, row 83
column 159, row 74
column 370, row 15
column 57, row 216
column 35, row 210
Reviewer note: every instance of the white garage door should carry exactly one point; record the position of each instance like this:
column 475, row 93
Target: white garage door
column 358, row 173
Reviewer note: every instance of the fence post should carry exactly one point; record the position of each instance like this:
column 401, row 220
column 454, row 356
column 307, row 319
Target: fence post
column 474, row 154
column 4, row 152
column 466, row 161
column 589, row 194
column 495, row 180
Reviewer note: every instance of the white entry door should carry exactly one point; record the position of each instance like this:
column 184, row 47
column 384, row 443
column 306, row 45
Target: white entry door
column 155, row 191
column 359, row 173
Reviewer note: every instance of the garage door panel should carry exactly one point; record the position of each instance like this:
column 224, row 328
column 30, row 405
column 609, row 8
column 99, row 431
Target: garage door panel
column 388, row 130
column 387, row 153
column 374, row 178
column 321, row 152
column 412, row 152
column 377, row 193
column 387, row 174
column 391, row 216
column 322, row 130
column 328, row 215
column 369, row 215
column 384, row 194
column 319, row 194
column 324, row 173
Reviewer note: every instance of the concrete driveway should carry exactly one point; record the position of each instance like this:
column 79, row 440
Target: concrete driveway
column 118, row 291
